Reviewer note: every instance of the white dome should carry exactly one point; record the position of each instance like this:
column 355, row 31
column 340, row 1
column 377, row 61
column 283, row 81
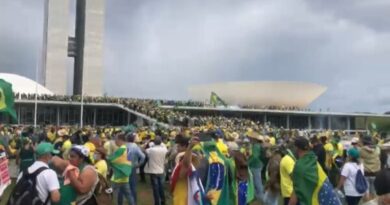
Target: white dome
column 25, row 85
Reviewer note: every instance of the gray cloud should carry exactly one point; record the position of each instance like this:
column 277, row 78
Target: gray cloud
column 159, row 48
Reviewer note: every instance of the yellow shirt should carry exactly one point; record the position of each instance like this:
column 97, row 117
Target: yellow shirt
column 65, row 149
column 332, row 153
column 67, row 145
column 91, row 147
column 51, row 136
column 286, row 168
column 222, row 147
column 101, row 167
column 272, row 141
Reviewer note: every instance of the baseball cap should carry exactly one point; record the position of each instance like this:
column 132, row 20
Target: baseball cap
column 354, row 153
column 45, row 148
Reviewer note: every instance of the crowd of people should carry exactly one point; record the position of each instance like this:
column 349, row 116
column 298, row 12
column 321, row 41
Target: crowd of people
column 220, row 161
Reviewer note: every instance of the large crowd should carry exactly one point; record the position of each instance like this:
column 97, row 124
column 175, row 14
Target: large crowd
column 219, row 161
column 207, row 160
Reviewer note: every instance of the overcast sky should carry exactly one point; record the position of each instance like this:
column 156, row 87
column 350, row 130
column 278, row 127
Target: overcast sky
column 157, row 49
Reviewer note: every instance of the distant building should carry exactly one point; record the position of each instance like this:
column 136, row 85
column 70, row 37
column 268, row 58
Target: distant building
column 59, row 48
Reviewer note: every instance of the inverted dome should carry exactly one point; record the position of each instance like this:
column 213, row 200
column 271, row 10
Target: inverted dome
column 25, row 85
column 261, row 94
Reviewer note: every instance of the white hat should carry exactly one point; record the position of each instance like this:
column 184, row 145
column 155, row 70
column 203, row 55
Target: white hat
column 355, row 140
column 81, row 149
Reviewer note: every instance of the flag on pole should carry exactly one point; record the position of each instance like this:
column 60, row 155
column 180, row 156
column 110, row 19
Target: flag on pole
column 215, row 100
column 7, row 99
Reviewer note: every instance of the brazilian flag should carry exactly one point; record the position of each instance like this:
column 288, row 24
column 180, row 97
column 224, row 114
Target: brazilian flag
column 7, row 99
column 120, row 165
column 215, row 100
column 311, row 185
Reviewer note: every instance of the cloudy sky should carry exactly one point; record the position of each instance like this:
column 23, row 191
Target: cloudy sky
column 158, row 49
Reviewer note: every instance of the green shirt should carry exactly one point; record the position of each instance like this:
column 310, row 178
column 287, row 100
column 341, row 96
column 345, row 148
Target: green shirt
column 255, row 156
column 67, row 192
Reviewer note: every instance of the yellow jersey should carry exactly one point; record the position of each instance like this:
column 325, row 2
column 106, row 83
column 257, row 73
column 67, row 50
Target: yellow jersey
column 286, row 168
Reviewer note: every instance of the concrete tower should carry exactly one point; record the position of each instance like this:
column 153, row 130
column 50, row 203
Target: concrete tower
column 86, row 47
column 57, row 31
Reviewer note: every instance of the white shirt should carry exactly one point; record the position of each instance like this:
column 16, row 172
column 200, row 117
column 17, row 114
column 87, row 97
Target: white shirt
column 47, row 180
column 156, row 161
column 349, row 171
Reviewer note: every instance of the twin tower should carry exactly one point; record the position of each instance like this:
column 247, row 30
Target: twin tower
column 82, row 49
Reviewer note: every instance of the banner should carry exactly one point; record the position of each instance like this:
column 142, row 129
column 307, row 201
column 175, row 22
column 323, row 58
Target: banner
column 5, row 179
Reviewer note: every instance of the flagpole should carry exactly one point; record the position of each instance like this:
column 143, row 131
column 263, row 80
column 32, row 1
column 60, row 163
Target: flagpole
column 82, row 107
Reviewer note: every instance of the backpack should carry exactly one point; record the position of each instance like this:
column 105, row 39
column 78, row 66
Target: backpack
column 361, row 185
column 103, row 191
column 25, row 191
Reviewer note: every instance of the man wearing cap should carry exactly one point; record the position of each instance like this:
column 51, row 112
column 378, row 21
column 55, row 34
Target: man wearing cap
column 255, row 163
column 47, row 182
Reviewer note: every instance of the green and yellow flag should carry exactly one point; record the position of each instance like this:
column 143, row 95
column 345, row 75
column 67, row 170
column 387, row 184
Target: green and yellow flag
column 7, row 99
column 311, row 185
column 120, row 165
column 215, row 100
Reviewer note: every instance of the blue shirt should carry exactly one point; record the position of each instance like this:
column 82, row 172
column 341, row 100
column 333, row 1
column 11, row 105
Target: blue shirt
column 135, row 154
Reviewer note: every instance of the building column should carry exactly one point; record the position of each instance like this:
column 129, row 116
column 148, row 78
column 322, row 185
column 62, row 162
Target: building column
column 348, row 123
column 288, row 121
column 94, row 117
column 265, row 118
column 58, row 116
column 19, row 109
column 309, row 122
column 366, row 122
column 329, row 123
column 128, row 118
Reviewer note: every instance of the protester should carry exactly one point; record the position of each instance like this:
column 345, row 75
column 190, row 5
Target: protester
column 46, row 184
column 308, row 177
column 137, row 157
column 348, row 178
column 382, row 186
column 318, row 149
column 287, row 164
column 67, row 191
column 100, row 161
column 242, row 180
column 86, row 181
column 155, row 168
column 272, row 187
column 255, row 164
column 25, row 157
column 186, row 185
column 335, row 152
column 122, row 168
column 371, row 162
column 66, row 146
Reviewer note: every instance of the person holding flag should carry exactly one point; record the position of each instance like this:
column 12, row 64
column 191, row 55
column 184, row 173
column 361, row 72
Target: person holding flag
column 310, row 183
column 122, row 168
